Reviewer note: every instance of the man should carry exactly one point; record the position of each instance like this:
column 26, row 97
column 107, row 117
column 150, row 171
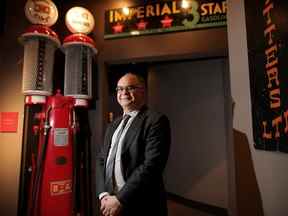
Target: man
column 141, row 155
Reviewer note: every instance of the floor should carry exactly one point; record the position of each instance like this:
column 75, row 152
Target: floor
column 177, row 209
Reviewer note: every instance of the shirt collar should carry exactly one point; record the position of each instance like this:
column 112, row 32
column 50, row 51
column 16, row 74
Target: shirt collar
column 131, row 113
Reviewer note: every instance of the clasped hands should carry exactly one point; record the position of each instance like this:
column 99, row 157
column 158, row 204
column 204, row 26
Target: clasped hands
column 110, row 206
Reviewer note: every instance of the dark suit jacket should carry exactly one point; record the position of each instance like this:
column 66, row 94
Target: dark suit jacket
column 144, row 155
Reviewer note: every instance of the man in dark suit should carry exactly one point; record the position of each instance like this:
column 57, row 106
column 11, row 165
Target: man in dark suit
column 142, row 143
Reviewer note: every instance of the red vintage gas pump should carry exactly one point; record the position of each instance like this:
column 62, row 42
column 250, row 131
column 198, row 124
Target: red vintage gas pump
column 40, row 43
column 55, row 177
column 52, row 182
column 79, row 51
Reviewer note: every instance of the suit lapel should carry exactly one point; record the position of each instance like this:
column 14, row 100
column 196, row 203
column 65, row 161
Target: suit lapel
column 134, row 128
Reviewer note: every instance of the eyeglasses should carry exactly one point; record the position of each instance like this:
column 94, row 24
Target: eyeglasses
column 130, row 89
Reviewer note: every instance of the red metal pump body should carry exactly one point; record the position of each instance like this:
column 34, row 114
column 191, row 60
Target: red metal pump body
column 55, row 196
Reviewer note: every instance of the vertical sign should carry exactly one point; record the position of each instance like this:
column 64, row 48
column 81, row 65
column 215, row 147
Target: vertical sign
column 267, row 36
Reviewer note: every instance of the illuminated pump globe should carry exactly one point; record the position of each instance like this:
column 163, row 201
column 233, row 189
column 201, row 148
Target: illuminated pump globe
column 41, row 12
column 79, row 20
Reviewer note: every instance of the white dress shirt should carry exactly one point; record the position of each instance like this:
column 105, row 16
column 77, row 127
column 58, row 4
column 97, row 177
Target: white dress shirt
column 118, row 175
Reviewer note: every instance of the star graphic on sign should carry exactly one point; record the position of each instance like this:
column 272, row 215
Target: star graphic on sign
column 166, row 22
column 118, row 28
column 141, row 25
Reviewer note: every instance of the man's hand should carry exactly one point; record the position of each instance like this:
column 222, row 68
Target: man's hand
column 110, row 206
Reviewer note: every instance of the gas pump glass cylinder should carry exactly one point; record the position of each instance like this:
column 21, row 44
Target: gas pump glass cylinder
column 78, row 71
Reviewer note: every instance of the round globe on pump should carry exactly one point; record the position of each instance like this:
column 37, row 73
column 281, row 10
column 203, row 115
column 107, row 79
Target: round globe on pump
column 41, row 12
column 79, row 20
column 79, row 50
column 40, row 43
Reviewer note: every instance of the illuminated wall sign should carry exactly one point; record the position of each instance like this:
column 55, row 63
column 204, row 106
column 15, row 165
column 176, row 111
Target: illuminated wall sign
column 164, row 16
column 8, row 121
column 268, row 53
